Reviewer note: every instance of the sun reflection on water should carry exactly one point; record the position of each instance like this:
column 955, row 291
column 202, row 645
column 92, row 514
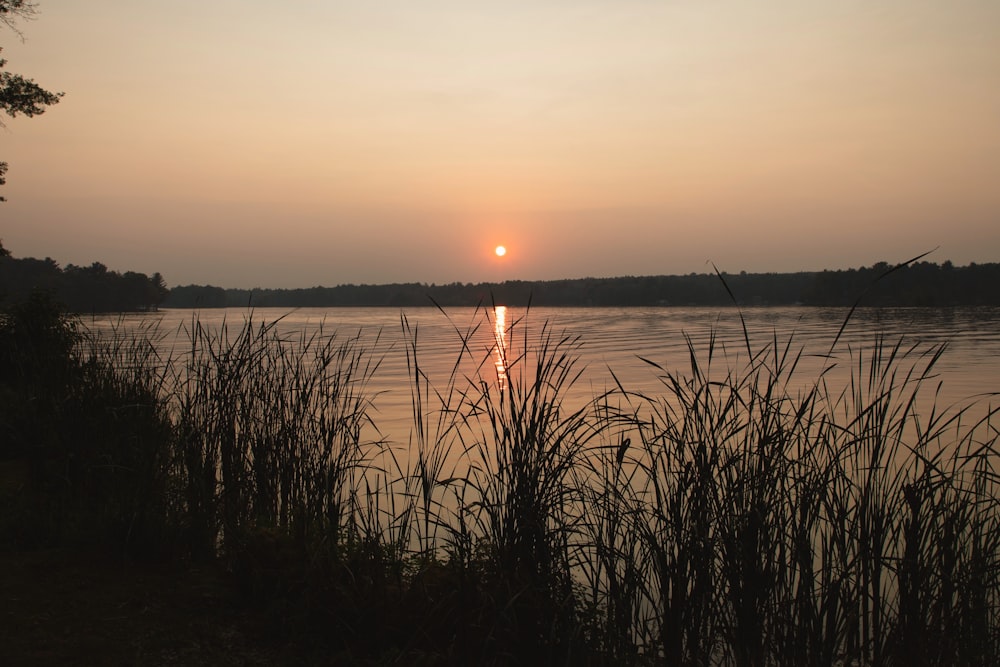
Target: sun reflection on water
column 500, row 335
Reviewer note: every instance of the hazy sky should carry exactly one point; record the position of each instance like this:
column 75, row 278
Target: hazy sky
column 317, row 142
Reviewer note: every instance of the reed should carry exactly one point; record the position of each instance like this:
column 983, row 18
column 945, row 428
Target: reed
column 273, row 433
column 739, row 515
column 807, row 528
column 120, row 446
column 524, row 447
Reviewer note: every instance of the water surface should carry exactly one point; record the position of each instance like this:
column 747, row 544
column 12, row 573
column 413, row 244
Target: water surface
column 620, row 343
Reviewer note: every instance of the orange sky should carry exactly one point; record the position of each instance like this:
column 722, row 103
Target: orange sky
column 316, row 143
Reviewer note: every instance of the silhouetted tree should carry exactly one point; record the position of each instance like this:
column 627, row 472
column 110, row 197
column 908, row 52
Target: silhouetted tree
column 19, row 95
column 922, row 284
column 80, row 289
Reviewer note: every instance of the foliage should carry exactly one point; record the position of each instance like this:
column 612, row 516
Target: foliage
column 91, row 428
column 90, row 289
column 36, row 365
column 10, row 10
column 914, row 284
column 20, row 95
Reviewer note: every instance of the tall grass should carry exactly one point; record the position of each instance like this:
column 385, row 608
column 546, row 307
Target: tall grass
column 822, row 527
column 272, row 432
column 739, row 515
column 523, row 442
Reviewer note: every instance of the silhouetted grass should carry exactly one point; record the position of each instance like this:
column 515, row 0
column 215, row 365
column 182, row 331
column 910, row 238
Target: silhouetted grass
column 740, row 515
column 759, row 527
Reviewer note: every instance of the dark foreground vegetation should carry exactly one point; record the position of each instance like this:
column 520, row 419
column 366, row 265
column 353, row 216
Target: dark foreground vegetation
column 910, row 284
column 239, row 489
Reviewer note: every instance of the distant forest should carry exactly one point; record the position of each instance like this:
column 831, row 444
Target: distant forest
column 917, row 284
column 95, row 288
column 79, row 289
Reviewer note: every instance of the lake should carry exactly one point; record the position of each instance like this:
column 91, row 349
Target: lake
column 676, row 515
column 620, row 341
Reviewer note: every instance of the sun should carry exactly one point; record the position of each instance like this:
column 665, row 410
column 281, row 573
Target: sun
column 500, row 251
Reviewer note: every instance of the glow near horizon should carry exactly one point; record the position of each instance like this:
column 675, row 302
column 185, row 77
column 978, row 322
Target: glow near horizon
column 234, row 144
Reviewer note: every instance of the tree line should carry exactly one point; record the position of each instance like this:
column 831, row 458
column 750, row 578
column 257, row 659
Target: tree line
column 78, row 289
column 917, row 284
column 95, row 288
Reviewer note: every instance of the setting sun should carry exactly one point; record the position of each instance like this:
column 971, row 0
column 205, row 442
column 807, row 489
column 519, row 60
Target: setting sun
column 501, row 251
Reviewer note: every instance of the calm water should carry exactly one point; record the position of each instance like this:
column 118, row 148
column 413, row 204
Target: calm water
column 618, row 339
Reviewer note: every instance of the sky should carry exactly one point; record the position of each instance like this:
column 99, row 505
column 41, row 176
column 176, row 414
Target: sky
column 321, row 142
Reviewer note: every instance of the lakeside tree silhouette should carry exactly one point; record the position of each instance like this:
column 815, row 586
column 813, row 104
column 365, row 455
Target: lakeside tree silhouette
column 20, row 95
column 918, row 284
column 79, row 289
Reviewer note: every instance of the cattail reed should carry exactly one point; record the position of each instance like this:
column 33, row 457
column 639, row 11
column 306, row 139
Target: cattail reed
column 740, row 514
